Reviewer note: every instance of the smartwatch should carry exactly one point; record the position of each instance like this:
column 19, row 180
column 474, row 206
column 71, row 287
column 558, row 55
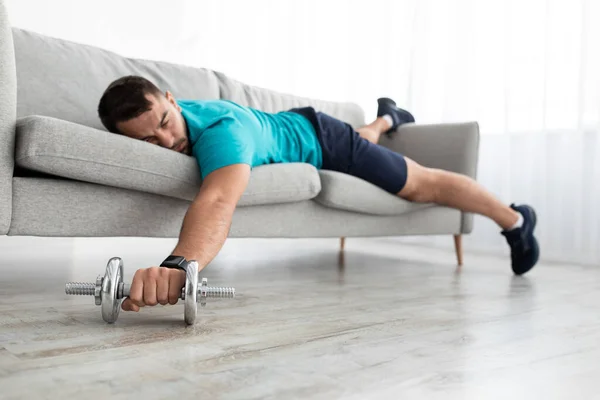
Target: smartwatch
column 177, row 262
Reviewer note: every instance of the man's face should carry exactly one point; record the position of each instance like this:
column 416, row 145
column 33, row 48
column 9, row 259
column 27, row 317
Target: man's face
column 163, row 125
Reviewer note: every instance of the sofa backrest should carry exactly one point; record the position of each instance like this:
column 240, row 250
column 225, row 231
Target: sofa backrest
column 63, row 79
column 8, row 98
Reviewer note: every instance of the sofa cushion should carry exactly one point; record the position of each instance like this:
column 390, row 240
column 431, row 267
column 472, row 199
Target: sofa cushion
column 74, row 151
column 349, row 193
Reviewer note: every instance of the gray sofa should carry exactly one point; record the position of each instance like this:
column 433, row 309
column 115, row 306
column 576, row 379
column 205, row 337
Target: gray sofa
column 63, row 174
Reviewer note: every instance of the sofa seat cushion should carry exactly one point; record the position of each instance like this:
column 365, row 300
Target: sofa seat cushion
column 74, row 151
column 349, row 193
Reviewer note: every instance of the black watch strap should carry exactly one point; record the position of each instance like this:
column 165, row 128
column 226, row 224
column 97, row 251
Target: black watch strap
column 177, row 262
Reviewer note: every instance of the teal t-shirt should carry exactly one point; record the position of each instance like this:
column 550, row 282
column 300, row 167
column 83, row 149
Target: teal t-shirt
column 223, row 133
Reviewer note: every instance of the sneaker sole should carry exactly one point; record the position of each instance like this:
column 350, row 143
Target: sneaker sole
column 535, row 242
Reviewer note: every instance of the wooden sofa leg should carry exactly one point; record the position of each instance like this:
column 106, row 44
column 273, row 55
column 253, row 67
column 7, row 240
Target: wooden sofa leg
column 458, row 248
column 342, row 243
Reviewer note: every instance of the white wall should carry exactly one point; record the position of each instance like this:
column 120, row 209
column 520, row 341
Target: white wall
column 527, row 71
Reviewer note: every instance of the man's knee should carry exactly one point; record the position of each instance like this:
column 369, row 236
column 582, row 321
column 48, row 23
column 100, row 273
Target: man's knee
column 422, row 184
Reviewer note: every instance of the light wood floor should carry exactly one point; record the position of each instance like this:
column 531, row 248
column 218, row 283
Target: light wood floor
column 394, row 322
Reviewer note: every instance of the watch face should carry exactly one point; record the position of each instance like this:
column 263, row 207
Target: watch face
column 174, row 261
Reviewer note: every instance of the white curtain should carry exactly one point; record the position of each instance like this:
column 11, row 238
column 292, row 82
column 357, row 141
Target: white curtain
column 527, row 70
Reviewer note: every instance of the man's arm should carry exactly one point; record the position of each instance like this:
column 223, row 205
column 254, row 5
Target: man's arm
column 208, row 219
column 204, row 230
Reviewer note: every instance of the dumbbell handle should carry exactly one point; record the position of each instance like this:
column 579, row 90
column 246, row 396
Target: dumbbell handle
column 203, row 291
column 87, row 289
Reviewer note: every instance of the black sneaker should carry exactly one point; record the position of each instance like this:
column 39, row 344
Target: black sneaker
column 523, row 245
column 399, row 116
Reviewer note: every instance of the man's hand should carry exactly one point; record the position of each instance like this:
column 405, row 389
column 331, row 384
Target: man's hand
column 152, row 286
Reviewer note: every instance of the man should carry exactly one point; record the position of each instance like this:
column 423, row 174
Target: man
column 228, row 140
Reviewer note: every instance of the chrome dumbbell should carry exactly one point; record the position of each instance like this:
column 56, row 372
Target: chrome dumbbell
column 109, row 290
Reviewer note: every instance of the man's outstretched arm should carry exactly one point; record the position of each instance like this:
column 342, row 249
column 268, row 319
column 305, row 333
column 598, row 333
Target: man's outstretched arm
column 203, row 233
column 208, row 219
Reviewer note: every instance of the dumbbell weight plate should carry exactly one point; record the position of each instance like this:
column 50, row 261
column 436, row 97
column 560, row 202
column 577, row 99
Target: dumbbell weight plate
column 191, row 292
column 114, row 275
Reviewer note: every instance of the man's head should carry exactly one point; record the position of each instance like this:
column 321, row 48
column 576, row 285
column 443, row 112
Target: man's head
column 133, row 106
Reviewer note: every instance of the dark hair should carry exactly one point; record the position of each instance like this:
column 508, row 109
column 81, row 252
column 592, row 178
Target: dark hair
column 125, row 99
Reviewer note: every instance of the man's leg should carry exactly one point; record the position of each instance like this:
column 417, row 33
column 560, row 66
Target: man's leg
column 373, row 131
column 411, row 181
column 430, row 185
column 402, row 176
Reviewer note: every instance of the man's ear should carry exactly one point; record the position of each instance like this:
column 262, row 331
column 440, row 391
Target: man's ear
column 172, row 100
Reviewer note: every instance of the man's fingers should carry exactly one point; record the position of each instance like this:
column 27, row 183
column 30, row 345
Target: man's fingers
column 137, row 289
column 127, row 305
column 162, row 287
column 152, row 277
column 176, row 282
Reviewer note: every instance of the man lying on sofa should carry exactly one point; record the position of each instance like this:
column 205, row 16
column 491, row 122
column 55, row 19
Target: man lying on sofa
column 228, row 139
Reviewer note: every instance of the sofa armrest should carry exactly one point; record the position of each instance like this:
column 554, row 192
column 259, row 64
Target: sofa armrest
column 452, row 147
column 8, row 117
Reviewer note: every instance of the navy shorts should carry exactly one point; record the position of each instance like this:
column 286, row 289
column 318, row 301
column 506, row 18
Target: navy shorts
column 345, row 151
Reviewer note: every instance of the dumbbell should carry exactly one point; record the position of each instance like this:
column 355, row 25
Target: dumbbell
column 109, row 290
